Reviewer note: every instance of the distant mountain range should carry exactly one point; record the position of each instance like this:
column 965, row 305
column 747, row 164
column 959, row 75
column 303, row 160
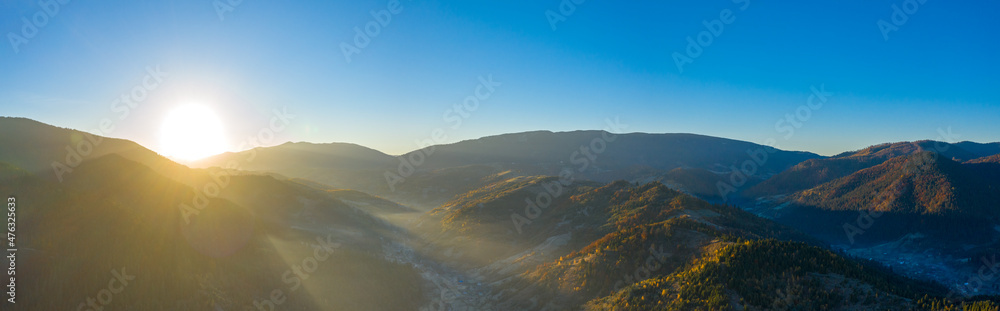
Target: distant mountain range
column 692, row 162
column 534, row 221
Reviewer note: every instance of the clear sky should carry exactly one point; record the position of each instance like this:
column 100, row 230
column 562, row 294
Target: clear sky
column 935, row 70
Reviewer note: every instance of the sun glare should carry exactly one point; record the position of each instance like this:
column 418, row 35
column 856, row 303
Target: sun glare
column 192, row 132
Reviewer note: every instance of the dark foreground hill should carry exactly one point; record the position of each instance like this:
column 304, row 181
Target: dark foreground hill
column 232, row 242
column 777, row 275
column 53, row 153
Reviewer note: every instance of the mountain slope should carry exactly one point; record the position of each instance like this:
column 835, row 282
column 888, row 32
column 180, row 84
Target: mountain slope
column 335, row 164
column 546, row 153
column 925, row 214
column 629, row 247
column 922, row 183
column 115, row 216
column 989, row 159
column 53, row 153
column 980, row 150
column 774, row 275
column 698, row 182
column 922, row 193
column 814, row 172
column 578, row 246
column 592, row 155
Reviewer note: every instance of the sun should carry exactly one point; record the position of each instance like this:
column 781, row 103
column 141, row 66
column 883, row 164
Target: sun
column 192, row 132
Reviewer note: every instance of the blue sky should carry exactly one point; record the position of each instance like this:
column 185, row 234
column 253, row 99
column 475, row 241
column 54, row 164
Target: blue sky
column 606, row 59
